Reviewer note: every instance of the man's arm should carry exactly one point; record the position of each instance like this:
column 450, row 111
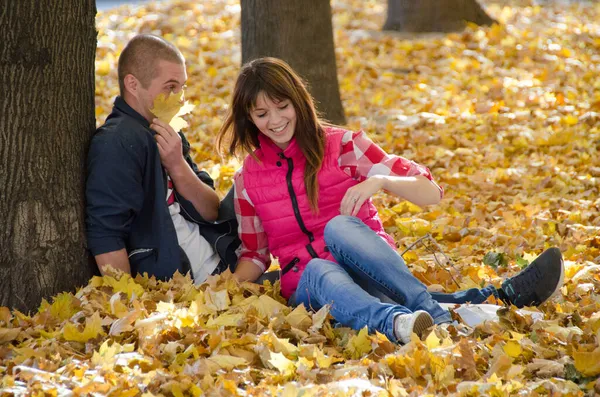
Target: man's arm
column 114, row 197
column 116, row 259
column 202, row 196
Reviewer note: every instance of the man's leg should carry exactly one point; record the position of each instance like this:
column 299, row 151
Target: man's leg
column 471, row 295
column 533, row 286
column 360, row 250
column 325, row 282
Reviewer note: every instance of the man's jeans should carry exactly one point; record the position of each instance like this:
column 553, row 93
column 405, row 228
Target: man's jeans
column 370, row 283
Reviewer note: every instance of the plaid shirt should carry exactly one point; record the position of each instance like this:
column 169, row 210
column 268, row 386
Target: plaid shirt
column 360, row 158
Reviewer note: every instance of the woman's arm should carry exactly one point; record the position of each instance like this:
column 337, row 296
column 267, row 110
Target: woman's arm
column 375, row 169
column 247, row 270
column 254, row 255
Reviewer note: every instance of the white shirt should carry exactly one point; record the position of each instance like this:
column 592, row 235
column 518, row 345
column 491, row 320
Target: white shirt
column 203, row 258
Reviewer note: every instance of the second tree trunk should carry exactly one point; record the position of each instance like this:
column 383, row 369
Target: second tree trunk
column 434, row 15
column 300, row 33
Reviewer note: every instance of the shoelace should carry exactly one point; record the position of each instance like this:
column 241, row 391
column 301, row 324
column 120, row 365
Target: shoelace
column 524, row 282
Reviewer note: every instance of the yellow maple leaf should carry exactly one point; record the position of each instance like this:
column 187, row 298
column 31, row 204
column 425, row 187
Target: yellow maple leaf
column 513, row 348
column 299, row 318
column 93, row 328
column 432, row 341
column 62, row 306
column 9, row 334
column 588, row 363
column 226, row 320
column 282, row 363
column 359, row 344
column 124, row 284
column 227, row 362
column 170, row 108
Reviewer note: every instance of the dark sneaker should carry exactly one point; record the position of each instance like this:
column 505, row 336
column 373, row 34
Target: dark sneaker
column 537, row 283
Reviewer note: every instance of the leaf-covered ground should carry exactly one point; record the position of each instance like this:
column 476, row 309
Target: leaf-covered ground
column 506, row 117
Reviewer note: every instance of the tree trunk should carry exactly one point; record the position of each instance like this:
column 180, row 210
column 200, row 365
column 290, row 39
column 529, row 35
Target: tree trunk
column 300, row 33
column 434, row 15
column 47, row 51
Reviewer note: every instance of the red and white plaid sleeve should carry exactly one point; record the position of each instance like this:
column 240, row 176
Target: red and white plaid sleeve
column 361, row 158
column 254, row 245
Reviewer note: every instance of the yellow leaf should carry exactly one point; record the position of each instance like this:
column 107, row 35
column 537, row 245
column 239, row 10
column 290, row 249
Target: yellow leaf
column 176, row 390
column 217, row 300
column 226, row 320
column 319, row 318
column 282, row 364
column 62, row 306
column 170, row 108
column 413, row 226
column 323, row 361
column 513, row 348
column 280, row 345
column 166, row 106
column 359, row 344
column 570, row 120
column 227, row 362
column 406, row 206
column 9, row 334
column 212, row 71
column 306, row 362
column 432, row 341
column 299, row 318
column 124, row 284
column 588, row 363
column 93, row 328
column 268, row 307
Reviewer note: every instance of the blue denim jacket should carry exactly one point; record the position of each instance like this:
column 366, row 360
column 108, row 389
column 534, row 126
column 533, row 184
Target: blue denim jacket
column 126, row 199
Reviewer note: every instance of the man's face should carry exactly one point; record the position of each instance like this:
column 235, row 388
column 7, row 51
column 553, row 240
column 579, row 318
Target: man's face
column 169, row 78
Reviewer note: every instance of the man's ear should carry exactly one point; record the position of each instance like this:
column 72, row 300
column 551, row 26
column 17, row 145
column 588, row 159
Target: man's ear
column 131, row 84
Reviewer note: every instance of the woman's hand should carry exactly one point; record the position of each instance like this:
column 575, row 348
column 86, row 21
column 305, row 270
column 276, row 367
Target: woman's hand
column 356, row 196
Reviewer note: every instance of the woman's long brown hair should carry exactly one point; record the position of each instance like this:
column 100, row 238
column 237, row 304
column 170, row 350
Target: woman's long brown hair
column 279, row 82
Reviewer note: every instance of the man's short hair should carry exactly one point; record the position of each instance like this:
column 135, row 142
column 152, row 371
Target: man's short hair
column 140, row 56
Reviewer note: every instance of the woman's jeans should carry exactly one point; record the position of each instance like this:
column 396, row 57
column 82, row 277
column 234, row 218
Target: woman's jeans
column 370, row 283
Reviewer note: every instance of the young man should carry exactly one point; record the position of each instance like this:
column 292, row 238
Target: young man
column 149, row 208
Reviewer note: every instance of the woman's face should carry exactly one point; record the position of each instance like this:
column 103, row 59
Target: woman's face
column 275, row 119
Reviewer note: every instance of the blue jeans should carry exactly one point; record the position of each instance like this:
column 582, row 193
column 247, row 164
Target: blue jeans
column 370, row 283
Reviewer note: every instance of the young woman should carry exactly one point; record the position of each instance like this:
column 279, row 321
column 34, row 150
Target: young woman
column 304, row 195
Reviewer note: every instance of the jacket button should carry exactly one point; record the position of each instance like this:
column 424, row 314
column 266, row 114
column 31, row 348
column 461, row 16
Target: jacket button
column 278, row 163
column 295, row 269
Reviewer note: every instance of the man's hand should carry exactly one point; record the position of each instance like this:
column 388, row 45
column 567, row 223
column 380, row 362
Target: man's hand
column 169, row 146
column 187, row 184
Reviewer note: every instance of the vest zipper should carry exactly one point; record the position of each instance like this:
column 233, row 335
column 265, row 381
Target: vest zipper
column 290, row 266
column 297, row 214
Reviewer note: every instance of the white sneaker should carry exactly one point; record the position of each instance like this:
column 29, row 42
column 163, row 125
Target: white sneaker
column 406, row 324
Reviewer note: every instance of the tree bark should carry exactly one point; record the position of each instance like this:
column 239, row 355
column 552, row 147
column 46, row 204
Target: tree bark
column 300, row 33
column 47, row 51
column 434, row 15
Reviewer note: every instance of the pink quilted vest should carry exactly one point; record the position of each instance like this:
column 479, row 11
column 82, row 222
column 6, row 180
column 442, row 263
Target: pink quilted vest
column 275, row 185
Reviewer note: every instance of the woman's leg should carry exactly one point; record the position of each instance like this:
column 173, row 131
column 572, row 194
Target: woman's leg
column 325, row 282
column 360, row 250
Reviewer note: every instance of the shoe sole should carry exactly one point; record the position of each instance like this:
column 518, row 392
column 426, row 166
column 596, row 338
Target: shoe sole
column 561, row 278
column 422, row 323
